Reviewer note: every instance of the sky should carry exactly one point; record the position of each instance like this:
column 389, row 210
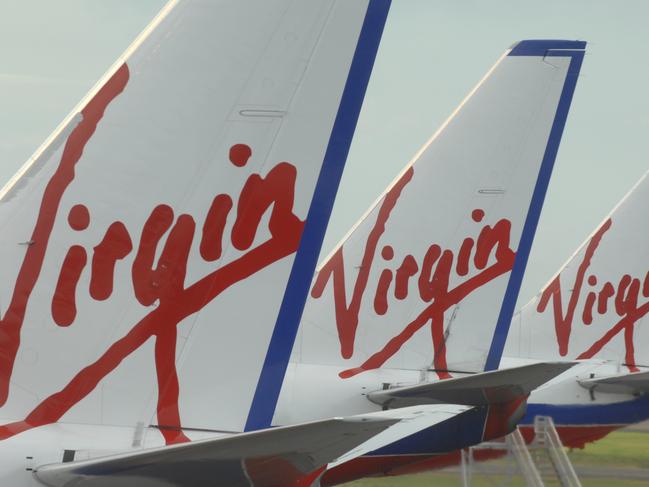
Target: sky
column 431, row 55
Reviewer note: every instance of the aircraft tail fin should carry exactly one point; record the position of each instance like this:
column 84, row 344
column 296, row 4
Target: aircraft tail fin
column 597, row 303
column 166, row 236
column 429, row 277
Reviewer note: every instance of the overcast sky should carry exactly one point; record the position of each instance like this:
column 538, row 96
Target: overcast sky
column 431, row 55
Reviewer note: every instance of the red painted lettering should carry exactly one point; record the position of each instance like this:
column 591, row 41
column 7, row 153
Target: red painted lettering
column 433, row 284
column 162, row 281
column 563, row 323
column 211, row 241
column 115, row 245
column 347, row 316
column 408, row 269
column 626, row 306
column 64, row 307
column 12, row 321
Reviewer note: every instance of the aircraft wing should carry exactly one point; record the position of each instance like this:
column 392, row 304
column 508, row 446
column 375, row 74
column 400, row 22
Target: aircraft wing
column 478, row 389
column 268, row 458
column 411, row 419
column 631, row 383
column 276, row 457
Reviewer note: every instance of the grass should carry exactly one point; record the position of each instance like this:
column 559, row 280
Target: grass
column 434, row 480
column 618, row 450
column 453, row 480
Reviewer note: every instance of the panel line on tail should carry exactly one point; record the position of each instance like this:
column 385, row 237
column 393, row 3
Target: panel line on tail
column 279, row 350
column 546, row 48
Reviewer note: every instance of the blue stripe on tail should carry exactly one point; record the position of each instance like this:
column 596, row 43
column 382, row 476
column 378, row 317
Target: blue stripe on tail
column 536, row 48
column 288, row 320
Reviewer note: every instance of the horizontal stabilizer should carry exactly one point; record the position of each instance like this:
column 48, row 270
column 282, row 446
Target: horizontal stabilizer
column 268, row 458
column 411, row 420
column 478, row 389
column 633, row 383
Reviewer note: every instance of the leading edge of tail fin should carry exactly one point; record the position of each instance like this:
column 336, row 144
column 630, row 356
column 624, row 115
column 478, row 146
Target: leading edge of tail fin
column 442, row 252
column 597, row 303
column 196, row 180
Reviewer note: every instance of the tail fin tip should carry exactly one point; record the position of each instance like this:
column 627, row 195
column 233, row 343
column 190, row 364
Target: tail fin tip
column 540, row 47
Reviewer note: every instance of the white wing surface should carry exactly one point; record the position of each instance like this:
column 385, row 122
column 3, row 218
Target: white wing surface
column 278, row 457
column 288, row 456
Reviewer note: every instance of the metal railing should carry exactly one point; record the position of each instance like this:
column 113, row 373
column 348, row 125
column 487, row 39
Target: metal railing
column 546, row 443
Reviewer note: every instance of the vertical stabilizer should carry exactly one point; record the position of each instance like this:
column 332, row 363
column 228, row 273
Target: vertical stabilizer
column 150, row 247
column 596, row 305
column 430, row 276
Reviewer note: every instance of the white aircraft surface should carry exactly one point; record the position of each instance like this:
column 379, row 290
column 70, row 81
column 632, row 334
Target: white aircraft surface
column 160, row 246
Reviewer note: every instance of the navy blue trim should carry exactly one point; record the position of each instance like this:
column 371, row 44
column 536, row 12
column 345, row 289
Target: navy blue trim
column 626, row 412
column 288, row 320
column 466, row 428
column 542, row 46
column 536, row 204
column 452, row 434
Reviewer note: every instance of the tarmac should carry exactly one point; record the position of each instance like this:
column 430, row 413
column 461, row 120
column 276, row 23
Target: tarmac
column 638, row 427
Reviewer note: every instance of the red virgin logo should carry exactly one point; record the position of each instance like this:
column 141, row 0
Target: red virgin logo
column 162, row 282
column 622, row 297
column 428, row 275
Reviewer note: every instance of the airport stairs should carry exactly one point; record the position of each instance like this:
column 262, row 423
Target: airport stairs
column 541, row 461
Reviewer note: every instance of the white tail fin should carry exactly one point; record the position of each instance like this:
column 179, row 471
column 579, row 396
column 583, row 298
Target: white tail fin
column 597, row 303
column 150, row 247
column 435, row 254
